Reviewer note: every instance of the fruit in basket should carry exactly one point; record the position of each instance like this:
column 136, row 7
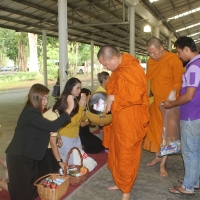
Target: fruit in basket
column 53, row 185
column 83, row 170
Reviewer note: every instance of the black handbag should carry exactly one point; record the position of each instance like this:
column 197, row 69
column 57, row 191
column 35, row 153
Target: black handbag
column 56, row 91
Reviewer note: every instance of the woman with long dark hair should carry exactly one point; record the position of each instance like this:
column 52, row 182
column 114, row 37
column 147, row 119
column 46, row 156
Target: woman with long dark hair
column 52, row 161
column 70, row 133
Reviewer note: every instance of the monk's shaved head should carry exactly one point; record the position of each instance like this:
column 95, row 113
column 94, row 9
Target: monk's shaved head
column 107, row 52
column 110, row 57
column 154, row 41
column 155, row 48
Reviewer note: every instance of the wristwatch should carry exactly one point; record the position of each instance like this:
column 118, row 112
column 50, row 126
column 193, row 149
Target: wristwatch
column 60, row 160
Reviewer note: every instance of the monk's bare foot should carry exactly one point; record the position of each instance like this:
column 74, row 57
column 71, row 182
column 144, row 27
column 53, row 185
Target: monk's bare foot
column 113, row 187
column 163, row 171
column 126, row 196
column 154, row 161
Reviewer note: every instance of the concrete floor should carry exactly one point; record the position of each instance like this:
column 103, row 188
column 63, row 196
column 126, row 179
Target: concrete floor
column 148, row 185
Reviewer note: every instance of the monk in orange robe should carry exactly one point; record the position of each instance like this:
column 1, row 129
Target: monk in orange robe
column 127, row 99
column 164, row 71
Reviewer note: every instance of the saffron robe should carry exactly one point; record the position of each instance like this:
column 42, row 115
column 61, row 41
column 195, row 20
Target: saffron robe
column 164, row 74
column 130, row 118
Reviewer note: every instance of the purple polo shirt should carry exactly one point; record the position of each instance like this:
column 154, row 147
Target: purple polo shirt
column 191, row 78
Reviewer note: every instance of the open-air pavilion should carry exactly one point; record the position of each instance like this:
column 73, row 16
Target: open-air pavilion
column 98, row 22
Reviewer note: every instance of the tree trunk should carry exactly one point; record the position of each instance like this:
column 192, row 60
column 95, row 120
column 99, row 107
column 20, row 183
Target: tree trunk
column 21, row 54
column 2, row 55
column 86, row 68
column 33, row 64
column 75, row 67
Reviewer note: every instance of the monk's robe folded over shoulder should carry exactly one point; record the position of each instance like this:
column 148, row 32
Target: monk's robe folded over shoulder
column 164, row 74
column 130, row 118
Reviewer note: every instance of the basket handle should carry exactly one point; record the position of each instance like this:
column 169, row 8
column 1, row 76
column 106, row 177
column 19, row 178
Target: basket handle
column 68, row 156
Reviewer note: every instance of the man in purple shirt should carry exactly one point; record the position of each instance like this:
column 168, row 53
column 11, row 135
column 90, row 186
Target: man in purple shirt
column 189, row 103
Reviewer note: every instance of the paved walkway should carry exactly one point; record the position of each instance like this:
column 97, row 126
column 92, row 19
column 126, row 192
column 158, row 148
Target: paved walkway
column 148, row 186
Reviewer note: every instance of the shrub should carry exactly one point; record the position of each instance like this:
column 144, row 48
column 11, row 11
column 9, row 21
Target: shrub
column 52, row 73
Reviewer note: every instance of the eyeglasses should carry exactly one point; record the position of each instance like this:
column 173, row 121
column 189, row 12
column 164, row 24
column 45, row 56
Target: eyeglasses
column 44, row 98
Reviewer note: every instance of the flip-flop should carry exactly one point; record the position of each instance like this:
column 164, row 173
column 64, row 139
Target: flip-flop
column 195, row 187
column 173, row 191
column 181, row 192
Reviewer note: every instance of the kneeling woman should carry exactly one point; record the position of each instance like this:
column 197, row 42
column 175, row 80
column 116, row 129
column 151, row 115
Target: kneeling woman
column 30, row 141
column 70, row 133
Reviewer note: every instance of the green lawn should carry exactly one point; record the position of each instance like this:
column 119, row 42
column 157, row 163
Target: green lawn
column 16, row 84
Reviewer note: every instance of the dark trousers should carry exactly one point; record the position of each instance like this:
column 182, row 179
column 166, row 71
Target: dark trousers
column 22, row 172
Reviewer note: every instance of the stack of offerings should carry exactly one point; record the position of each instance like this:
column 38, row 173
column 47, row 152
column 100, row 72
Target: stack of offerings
column 95, row 112
column 52, row 186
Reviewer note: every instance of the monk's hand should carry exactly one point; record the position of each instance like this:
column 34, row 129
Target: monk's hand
column 108, row 102
column 166, row 104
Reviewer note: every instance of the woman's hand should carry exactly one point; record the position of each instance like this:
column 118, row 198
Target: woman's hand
column 70, row 103
column 59, row 142
column 82, row 101
column 62, row 165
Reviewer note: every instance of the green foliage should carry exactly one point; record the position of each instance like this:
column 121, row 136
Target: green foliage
column 19, row 76
column 52, row 73
column 84, row 52
column 9, row 41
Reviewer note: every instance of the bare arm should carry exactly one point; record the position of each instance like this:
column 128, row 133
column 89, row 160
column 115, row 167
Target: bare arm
column 185, row 98
column 55, row 150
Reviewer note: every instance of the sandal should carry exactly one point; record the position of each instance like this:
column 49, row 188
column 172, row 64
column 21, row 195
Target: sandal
column 180, row 190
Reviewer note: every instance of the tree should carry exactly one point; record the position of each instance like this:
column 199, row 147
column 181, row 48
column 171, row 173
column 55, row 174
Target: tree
column 33, row 62
column 13, row 46
column 22, row 61
column 3, row 38
column 73, row 58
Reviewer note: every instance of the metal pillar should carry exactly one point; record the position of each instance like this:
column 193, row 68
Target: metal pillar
column 92, row 63
column 157, row 32
column 63, row 42
column 44, row 44
column 132, row 30
column 169, row 43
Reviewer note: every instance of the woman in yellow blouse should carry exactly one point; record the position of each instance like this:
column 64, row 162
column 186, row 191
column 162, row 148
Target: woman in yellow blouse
column 70, row 133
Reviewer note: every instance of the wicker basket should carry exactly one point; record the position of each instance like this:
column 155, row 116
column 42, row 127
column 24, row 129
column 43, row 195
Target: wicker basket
column 96, row 117
column 78, row 179
column 47, row 193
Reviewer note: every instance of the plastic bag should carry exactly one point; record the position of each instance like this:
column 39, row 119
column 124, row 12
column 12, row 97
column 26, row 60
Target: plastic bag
column 171, row 143
column 88, row 162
